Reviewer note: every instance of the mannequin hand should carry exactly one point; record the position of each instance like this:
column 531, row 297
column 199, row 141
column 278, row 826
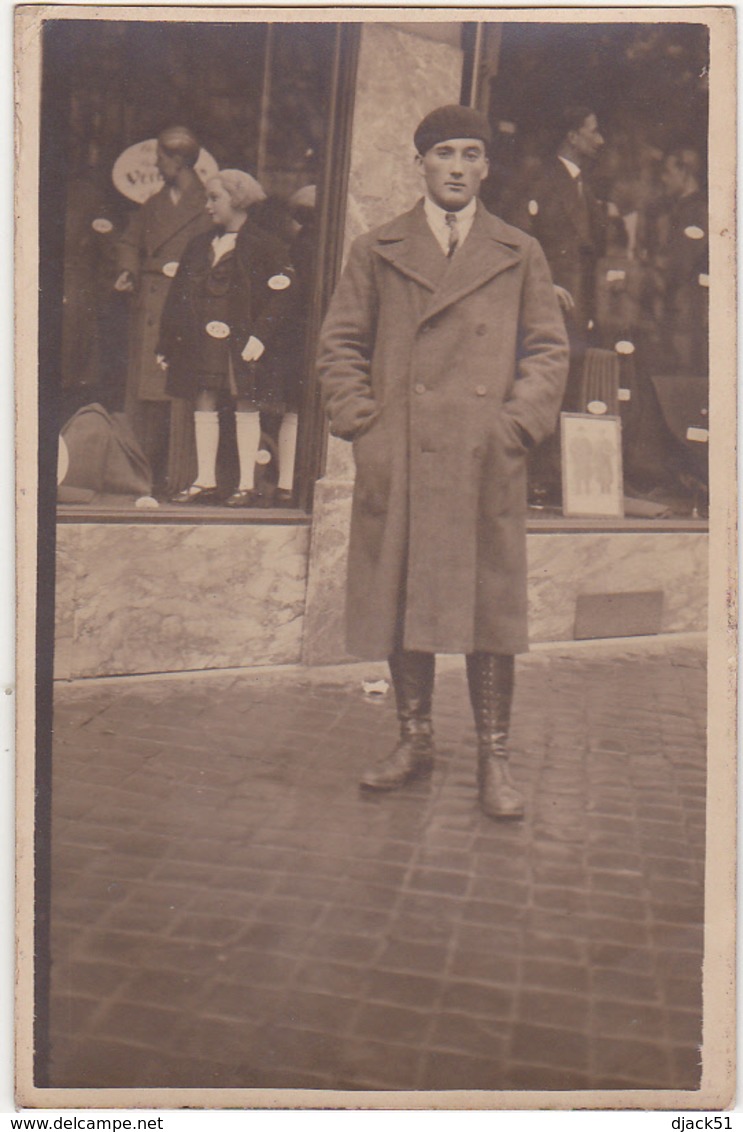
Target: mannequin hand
column 564, row 298
column 253, row 349
column 125, row 282
column 160, row 359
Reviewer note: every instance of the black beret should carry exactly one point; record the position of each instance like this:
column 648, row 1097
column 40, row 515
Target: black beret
column 447, row 122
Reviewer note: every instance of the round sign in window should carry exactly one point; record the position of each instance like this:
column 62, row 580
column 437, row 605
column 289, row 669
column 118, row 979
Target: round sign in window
column 136, row 175
column 63, row 460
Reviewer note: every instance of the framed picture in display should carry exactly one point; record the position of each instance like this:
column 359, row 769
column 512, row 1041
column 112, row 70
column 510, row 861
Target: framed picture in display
column 591, row 466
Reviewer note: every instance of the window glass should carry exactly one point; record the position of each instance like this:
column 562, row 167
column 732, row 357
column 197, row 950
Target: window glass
column 138, row 432
column 617, row 198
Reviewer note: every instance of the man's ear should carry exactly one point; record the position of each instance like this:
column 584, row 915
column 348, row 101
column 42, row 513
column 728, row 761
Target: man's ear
column 418, row 161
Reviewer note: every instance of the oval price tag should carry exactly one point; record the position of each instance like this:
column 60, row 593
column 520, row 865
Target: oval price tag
column 217, row 329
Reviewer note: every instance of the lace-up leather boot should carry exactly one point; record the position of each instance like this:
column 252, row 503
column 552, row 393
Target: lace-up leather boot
column 412, row 678
column 490, row 677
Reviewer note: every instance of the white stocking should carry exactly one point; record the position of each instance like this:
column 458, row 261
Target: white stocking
column 248, row 426
column 287, row 450
column 206, row 427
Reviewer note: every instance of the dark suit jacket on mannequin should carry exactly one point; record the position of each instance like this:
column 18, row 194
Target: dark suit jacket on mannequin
column 570, row 227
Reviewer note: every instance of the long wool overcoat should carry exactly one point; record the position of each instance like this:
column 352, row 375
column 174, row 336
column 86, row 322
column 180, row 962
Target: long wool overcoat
column 151, row 248
column 429, row 366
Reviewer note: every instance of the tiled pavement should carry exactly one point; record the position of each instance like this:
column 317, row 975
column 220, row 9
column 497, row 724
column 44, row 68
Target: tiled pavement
column 229, row 910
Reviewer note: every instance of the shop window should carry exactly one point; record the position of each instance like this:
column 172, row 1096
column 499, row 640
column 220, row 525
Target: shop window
column 630, row 246
column 272, row 100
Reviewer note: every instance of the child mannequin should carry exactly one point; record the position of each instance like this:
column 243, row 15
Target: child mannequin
column 230, row 300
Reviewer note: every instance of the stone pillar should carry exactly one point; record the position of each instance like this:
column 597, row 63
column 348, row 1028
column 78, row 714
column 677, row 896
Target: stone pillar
column 405, row 70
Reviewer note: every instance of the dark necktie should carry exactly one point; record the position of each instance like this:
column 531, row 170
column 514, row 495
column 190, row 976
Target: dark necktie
column 451, row 223
column 583, row 211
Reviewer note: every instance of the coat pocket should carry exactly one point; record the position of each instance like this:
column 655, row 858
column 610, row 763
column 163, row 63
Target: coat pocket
column 503, row 490
column 371, row 452
column 510, row 436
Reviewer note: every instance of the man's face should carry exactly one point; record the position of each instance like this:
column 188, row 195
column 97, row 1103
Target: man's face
column 673, row 177
column 453, row 171
column 168, row 165
column 587, row 140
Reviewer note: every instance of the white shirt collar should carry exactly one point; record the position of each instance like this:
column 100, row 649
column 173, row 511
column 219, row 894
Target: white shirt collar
column 436, row 217
column 438, row 213
column 572, row 168
column 222, row 244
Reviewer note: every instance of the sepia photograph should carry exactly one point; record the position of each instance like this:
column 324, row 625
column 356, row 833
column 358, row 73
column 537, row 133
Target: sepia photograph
column 376, row 478
column 591, row 453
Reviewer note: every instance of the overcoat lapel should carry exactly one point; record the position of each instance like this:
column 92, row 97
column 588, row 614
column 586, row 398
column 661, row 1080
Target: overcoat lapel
column 166, row 218
column 486, row 253
column 410, row 246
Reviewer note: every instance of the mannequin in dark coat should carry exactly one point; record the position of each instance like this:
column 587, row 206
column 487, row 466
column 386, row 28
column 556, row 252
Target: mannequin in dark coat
column 147, row 257
column 682, row 266
column 569, row 223
column 220, row 330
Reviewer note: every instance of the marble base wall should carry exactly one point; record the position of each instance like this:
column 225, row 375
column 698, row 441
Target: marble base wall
column 326, row 587
column 564, row 567
column 141, row 598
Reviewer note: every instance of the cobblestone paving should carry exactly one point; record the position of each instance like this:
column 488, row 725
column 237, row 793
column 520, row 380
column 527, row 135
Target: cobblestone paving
column 229, row 910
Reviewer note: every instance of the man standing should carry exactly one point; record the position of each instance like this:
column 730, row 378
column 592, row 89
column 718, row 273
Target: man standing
column 443, row 359
column 148, row 253
column 568, row 222
column 682, row 266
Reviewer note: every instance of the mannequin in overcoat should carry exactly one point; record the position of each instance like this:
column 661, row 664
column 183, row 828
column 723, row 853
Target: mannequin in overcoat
column 443, row 359
column 147, row 255
column 227, row 311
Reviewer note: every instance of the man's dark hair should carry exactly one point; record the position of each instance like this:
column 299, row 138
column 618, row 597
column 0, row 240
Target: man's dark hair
column 573, row 117
column 179, row 141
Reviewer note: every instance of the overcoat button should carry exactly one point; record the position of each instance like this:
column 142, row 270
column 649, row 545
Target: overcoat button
column 480, row 390
column 481, row 329
column 420, row 388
